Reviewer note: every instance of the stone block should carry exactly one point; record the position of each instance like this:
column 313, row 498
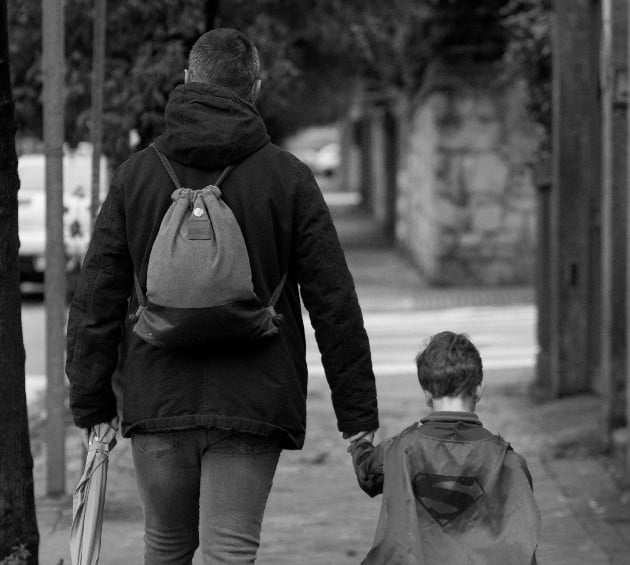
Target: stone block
column 440, row 106
column 487, row 217
column 522, row 224
column 513, row 222
column 485, row 173
column 522, row 204
column 473, row 136
column 470, row 240
column 474, row 122
column 491, row 250
column 521, row 180
column 448, row 242
column 449, row 173
column 488, row 108
column 449, row 215
column 466, row 104
column 506, row 240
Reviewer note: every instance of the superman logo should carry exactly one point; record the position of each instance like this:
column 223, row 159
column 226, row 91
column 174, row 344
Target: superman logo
column 446, row 497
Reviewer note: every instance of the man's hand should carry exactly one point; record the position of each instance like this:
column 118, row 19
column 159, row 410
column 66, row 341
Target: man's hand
column 104, row 432
column 366, row 436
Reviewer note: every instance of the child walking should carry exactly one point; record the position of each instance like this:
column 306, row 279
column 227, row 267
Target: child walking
column 453, row 492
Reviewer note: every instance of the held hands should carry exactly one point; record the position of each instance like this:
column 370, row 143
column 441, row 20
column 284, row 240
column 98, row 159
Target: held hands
column 104, row 432
column 361, row 436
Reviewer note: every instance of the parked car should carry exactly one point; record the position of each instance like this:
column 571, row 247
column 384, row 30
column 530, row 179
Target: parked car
column 77, row 173
column 327, row 160
column 323, row 161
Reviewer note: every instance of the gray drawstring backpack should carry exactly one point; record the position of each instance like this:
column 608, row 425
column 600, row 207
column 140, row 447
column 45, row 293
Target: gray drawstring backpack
column 199, row 279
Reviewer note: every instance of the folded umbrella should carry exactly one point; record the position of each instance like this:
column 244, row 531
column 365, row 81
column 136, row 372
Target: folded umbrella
column 88, row 501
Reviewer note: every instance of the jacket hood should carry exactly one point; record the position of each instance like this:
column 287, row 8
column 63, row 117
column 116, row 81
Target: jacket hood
column 209, row 127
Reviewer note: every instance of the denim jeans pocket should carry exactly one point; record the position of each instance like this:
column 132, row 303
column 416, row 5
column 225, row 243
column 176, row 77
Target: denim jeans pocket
column 157, row 444
column 252, row 444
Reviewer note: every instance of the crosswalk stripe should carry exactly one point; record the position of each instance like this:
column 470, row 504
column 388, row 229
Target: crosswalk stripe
column 505, row 337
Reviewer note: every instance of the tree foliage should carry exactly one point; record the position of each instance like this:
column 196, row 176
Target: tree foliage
column 145, row 47
column 313, row 52
column 528, row 24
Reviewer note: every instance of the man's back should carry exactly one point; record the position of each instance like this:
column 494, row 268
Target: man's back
column 261, row 387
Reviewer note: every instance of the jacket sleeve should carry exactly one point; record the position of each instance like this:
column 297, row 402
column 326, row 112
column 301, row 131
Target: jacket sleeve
column 368, row 464
column 97, row 315
column 329, row 295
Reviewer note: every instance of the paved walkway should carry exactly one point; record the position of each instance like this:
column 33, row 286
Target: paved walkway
column 317, row 515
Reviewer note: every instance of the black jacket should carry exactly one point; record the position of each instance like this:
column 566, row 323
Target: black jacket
column 257, row 387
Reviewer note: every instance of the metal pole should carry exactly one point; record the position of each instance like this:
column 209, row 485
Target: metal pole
column 557, row 107
column 55, row 276
column 628, row 287
column 96, row 120
column 607, row 93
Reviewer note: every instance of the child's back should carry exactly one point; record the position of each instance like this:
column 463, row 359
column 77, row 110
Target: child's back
column 453, row 493
column 450, row 502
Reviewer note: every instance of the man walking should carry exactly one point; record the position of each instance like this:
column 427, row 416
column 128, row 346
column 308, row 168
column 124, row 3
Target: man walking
column 207, row 424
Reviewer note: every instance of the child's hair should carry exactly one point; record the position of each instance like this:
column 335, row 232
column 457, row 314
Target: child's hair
column 449, row 365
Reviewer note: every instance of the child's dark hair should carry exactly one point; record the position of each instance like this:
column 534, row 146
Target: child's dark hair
column 449, row 365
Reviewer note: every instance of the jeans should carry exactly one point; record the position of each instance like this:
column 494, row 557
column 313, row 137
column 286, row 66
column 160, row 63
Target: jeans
column 208, row 484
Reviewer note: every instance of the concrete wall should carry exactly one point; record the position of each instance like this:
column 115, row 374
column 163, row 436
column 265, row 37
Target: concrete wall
column 466, row 205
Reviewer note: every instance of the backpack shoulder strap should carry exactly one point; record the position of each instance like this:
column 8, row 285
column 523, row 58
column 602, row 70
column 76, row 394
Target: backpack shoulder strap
column 139, row 294
column 167, row 165
column 142, row 301
column 171, row 172
column 224, row 175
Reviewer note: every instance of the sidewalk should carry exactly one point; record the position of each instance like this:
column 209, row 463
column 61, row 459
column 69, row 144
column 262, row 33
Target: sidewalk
column 317, row 515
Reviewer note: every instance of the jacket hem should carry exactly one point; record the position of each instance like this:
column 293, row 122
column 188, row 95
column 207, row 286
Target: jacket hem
column 286, row 440
column 90, row 422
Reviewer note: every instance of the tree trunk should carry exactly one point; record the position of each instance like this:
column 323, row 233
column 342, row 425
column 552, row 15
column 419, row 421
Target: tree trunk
column 18, row 523
column 575, row 244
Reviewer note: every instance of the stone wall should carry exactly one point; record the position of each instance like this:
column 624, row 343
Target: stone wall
column 466, row 203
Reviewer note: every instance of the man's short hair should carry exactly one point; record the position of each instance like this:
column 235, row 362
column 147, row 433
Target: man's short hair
column 227, row 58
column 450, row 365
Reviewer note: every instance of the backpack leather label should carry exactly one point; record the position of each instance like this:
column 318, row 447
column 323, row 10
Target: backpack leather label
column 199, row 227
